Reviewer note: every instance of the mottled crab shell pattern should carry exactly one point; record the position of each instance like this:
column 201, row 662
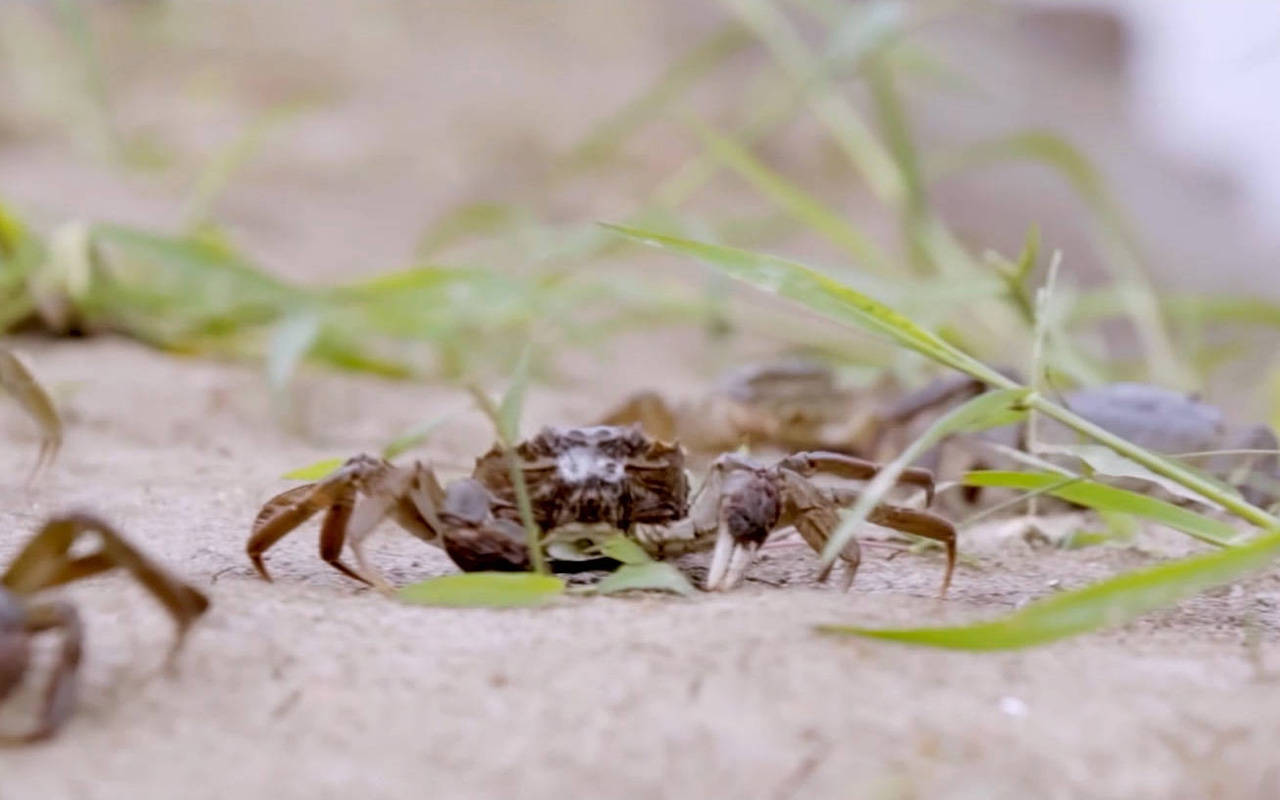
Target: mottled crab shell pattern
column 606, row 474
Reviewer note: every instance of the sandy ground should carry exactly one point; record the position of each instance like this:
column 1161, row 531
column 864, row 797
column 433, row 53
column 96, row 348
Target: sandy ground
column 312, row 688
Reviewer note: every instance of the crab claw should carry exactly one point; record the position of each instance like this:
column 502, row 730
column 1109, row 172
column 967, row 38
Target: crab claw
column 749, row 511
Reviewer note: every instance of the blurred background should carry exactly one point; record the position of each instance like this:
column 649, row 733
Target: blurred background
column 329, row 141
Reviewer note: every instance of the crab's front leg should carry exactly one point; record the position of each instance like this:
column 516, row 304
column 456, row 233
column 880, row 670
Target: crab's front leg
column 355, row 498
column 815, row 515
column 50, row 559
column 735, row 510
column 59, row 696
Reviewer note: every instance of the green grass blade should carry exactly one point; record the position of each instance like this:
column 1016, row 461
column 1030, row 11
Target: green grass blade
column 823, row 294
column 1120, row 242
column 1109, row 603
column 485, row 590
column 801, row 205
column 414, row 437
column 512, row 403
column 290, row 343
column 651, row 576
column 214, row 179
column 607, row 137
column 314, row 472
column 1101, row 497
column 849, row 131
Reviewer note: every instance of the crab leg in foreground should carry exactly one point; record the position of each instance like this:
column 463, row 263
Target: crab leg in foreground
column 46, row 562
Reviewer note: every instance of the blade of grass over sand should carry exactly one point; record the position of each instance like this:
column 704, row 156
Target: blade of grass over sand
column 505, row 416
column 214, row 179
column 832, row 299
column 1106, row 604
column 1119, row 242
column 290, row 343
column 847, row 128
column 989, row 410
column 823, row 294
column 800, row 204
column 607, row 137
column 485, row 590
column 1101, row 497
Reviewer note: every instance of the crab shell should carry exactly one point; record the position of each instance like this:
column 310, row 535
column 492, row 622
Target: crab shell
column 602, row 474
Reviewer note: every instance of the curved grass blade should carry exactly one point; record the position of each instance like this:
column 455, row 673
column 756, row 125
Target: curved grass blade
column 22, row 386
column 1106, row 604
column 801, row 205
column 822, row 294
column 485, row 590
column 1132, row 283
column 290, row 343
column 1101, row 497
column 706, row 56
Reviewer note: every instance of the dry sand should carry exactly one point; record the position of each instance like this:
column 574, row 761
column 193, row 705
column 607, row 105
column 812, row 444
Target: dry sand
column 312, row 688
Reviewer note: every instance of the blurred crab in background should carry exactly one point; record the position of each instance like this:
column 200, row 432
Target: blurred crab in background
column 786, row 405
column 613, row 477
column 48, row 561
column 1158, row 419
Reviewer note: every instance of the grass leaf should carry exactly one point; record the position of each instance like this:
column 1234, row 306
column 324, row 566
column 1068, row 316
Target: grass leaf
column 414, row 437
column 512, row 403
column 823, row 294
column 485, row 590
column 1109, row 603
column 653, row 575
column 1101, row 497
column 620, row 548
column 290, row 342
column 801, row 205
column 314, row 472
column 18, row 382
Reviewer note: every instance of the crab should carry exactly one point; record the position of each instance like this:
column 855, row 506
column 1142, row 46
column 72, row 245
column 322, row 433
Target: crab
column 47, row 561
column 611, row 476
column 788, row 405
column 1159, row 419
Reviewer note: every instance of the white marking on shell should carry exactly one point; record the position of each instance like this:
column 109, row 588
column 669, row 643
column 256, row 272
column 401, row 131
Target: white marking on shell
column 582, row 463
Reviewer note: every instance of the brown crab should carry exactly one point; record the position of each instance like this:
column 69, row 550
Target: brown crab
column 48, row 561
column 602, row 475
column 789, row 405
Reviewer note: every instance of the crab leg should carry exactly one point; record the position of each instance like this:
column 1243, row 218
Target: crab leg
column 287, row 510
column 913, row 521
column 59, row 698
column 845, row 466
column 748, row 511
column 46, row 562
